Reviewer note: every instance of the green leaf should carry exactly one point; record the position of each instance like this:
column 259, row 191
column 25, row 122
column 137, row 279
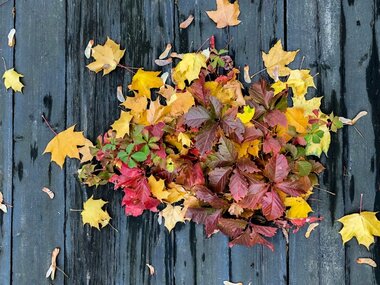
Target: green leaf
column 304, row 167
column 145, row 149
column 129, row 148
column 222, row 51
column 139, row 156
column 123, row 156
column 132, row 163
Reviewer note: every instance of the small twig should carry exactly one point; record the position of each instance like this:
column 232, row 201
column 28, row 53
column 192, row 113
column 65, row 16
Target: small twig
column 303, row 58
column 5, row 2
column 63, row 272
column 262, row 70
column 115, row 229
column 8, row 205
column 327, row 191
column 356, row 129
column 126, row 67
column 361, row 203
column 75, row 210
column 199, row 49
column 47, row 123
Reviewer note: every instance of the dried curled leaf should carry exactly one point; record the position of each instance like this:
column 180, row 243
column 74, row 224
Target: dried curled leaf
column 165, row 53
column 53, row 266
column 93, row 213
column 311, row 227
column 65, row 144
column 2, row 206
column 49, row 192
column 87, row 51
column 187, row 22
column 151, row 269
column 353, row 121
column 11, row 38
column 106, row 56
column 247, row 77
column 366, row 260
column 231, row 283
column 119, row 94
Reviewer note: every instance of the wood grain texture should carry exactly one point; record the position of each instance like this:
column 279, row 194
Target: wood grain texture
column 6, row 146
column 38, row 222
column 340, row 42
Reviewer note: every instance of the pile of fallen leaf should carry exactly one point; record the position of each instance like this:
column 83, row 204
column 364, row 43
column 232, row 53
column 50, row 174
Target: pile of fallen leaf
column 202, row 147
column 242, row 161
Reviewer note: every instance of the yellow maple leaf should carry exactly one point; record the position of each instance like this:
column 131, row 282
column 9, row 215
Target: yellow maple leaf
column 176, row 193
column 247, row 114
column 250, row 147
column 137, row 104
column 12, row 80
column 121, row 126
column 85, row 151
column 184, row 139
column 296, row 118
column 106, row 56
column 158, row 189
column 276, row 60
column 143, row 81
column 172, row 216
column 307, row 105
column 226, row 14
column 299, row 81
column 364, row 226
column 65, row 144
column 278, row 86
column 188, row 68
column 93, row 213
column 180, row 103
column 299, row 208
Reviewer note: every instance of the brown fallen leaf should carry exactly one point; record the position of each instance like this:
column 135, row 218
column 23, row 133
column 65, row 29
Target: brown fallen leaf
column 176, row 55
column 366, row 260
column 87, row 51
column 230, row 283
column 53, row 265
column 49, row 192
column 247, row 78
column 310, row 229
column 226, row 14
column 286, row 235
column 119, row 94
column 165, row 53
column 2, row 206
column 11, row 38
column 187, row 22
column 151, row 269
column 163, row 62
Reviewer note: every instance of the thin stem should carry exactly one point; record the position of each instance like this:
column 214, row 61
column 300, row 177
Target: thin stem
column 356, row 129
column 203, row 44
column 361, row 203
column 47, row 123
column 303, row 58
column 262, row 70
column 115, row 229
column 126, row 67
column 63, row 272
column 75, row 210
column 8, row 205
column 5, row 66
column 327, row 191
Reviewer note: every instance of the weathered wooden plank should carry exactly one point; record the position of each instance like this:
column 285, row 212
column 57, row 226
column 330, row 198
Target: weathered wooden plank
column 318, row 37
column 6, row 149
column 199, row 260
column 37, row 220
column 361, row 67
column 262, row 24
column 93, row 105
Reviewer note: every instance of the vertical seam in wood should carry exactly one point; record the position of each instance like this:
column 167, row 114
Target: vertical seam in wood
column 12, row 162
